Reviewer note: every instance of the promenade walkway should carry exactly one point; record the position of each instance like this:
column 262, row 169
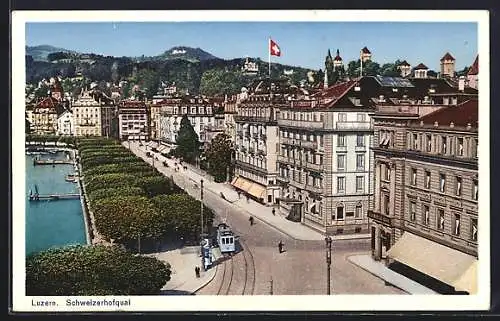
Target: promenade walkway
column 383, row 272
column 183, row 280
column 259, row 211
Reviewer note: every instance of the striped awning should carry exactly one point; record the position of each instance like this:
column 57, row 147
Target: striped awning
column 161, row 148
column 438, row 261
column 255, row 189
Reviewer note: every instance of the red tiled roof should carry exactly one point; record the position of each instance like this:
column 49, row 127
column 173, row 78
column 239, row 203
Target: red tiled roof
column 47, row 102
column 365, row 50
column 404, row 63
column 335, row 92
column 474, row 69
column 337, row 57
column 421, row 66
column 447, row 56
column 461, row 115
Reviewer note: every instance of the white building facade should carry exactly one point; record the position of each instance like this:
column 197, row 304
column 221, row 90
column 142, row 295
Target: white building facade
column 65, row 124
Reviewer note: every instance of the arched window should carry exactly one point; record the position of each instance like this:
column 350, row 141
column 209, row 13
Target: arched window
column 358, row 213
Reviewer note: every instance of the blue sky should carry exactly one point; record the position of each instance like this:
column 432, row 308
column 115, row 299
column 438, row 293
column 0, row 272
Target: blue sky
column 302, row 43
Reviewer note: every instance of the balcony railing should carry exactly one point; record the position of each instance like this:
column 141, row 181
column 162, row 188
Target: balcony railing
column 283, row 179
column 299, row 142
column 353, row 126
column 284, row 159
column 261, row 153
column 301, row 124
column 379, row 217
column 251, row 150
column 258, row 119
column 314, row 189
column 297, row 184
column 311, row 166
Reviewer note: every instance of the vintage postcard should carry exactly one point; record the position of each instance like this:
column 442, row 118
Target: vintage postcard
column 283, row 160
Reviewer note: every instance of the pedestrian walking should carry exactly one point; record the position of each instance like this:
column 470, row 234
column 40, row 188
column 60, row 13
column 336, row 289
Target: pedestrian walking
column 251, row 220
column 239, row 195
column 274, row 211
column 197, row 271
column 248, row 199
column 280, row 246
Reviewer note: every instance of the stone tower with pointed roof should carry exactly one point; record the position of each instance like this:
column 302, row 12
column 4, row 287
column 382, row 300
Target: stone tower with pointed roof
column 447, row 66
column 337, row 61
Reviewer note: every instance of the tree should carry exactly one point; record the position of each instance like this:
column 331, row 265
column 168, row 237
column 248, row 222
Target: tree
column 371, row 68
column 188, row 144
column 219, row 154
column 182, row 214
column 128, row 218
column 94, row 270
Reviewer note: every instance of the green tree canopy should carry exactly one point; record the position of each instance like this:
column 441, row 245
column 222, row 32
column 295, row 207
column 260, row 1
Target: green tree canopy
column 115, row 192
column 94, row 270
column 182, row 214
column 188, row 144
column 218, row 154
column 126, row 218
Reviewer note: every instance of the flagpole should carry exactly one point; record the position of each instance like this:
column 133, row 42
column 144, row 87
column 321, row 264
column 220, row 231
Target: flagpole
column 269, row 53
column 361, row 60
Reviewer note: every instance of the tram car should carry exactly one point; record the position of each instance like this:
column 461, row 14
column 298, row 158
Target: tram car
column 225, row 238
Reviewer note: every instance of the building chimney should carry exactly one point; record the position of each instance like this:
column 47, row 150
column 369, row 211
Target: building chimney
column 461, row 83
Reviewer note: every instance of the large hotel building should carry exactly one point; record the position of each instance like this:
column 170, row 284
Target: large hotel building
column 425, row 206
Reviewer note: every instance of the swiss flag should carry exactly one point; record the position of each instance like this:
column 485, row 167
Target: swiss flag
column 274, row 49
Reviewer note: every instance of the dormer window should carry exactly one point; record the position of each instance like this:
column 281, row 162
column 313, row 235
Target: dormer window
column 394, row 90
column 381, row 99
column 432, row 90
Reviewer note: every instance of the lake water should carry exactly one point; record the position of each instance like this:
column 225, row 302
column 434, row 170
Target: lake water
column 52, row 223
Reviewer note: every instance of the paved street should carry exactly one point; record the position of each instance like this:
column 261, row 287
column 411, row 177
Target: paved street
column 301, row 269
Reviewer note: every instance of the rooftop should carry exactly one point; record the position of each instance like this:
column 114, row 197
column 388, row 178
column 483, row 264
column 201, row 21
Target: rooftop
column 421, row 66
column 462, row 115
column 474, row 69
column 365, row 50
column 447, row 56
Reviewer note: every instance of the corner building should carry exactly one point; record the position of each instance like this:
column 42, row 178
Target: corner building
column 425, row 210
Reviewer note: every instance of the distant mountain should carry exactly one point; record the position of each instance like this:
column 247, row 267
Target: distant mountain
column 40, row 53
column 186, row 53
column 190, row 69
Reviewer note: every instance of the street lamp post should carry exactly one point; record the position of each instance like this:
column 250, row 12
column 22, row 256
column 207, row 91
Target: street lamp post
column 201, row 207
column 328, row 241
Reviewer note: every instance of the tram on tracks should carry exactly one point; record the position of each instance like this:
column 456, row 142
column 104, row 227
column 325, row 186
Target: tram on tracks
column 226, row 239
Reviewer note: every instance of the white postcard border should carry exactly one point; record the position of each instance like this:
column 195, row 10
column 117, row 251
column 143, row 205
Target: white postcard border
column 479, row 301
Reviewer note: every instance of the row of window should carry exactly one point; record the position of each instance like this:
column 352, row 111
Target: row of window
column 192, row 110
column 455, row 227
column 305, row 155
column 342, row 142
column 443, row 144
column 360, row 184
column 303, row 136
column 457, row 183
column 134, row 117
column 296, row 175
column 341, row 161
column 315, row 116
column 254, row 112
column 338, row 215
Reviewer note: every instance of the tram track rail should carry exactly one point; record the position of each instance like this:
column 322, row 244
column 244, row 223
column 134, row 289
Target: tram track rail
column 227, row 276
column 249, row 270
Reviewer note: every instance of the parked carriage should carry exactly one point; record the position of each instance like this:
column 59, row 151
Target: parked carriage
column 225, row 238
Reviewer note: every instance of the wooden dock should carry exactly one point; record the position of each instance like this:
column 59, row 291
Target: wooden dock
column 52, row 162
column 54, row 197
